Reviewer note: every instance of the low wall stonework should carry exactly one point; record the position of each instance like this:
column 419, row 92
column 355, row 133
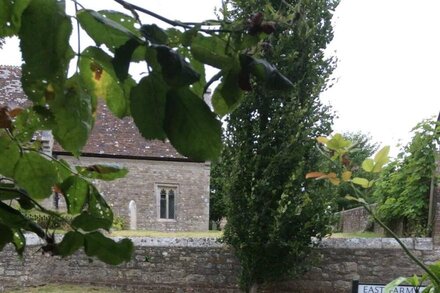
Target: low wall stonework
column 357, row 220
column 204, row 265
column 354, row 220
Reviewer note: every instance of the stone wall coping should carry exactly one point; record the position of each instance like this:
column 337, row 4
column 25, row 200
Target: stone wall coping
column 349, row 211
column 33, row 239
column 377, row 243
column 343, row 243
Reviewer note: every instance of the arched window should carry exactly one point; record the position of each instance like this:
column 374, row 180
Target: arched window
column 163, row 204
column 170, row 204
column 166, row 198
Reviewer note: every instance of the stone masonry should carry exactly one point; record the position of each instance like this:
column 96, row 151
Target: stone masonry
column 140, row 185
column 204, row 265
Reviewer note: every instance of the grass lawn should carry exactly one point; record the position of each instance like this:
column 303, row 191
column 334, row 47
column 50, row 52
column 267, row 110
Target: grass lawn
column 56, row 288
column 356, row 235
column 143, row 233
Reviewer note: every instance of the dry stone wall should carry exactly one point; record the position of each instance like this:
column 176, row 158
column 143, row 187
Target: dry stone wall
column 204, row 265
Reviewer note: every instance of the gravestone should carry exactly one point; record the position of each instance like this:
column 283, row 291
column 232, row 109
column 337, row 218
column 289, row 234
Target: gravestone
column 132, row 215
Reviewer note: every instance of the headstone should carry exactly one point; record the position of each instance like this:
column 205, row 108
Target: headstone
column 133, row 215
column 223, row 222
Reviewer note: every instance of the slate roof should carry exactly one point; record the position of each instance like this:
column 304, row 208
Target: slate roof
column 110, row 136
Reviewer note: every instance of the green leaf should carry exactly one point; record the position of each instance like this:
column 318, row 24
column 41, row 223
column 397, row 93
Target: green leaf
column 147, row 106
column 8, row 191
column 361, row 181
column 191, row 126
column 25, row 203
column 175, row 70
column 107, row 250
column 368, row 165
column 89, row 222
column 104, row 30
column 98, row 208
column 27, row 123
column 73, row 116
column 394, row 283
column 101, row 81
column 337, row 142
column 9, row 155
column 154, row 34
column 265, row 72
column 6, row 235
column 228, row 95
column 15, row 220
column 188, row 36
column 381, row 158
column 277, row 81
column 71, row 242
column 122, row 59
column 44, row 42
column 199, row 86
column 63, row 169
column 211, row 51
column 358, row 199
column 123, row 19
column 413, row 281
column 75, row 191
column 10, row 16
column 103, row 171
column 36, row 175
column 19, row 241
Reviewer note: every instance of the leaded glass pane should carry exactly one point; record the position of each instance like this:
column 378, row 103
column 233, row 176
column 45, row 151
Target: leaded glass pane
column 163, row 204
column 171, row 204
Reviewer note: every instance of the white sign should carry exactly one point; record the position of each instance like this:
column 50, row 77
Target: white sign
column 370, row 288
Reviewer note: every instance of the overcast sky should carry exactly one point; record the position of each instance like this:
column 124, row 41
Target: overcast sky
column 387, row 77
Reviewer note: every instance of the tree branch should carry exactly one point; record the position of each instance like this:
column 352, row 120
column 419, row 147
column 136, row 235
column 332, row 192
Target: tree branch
column 133, row 7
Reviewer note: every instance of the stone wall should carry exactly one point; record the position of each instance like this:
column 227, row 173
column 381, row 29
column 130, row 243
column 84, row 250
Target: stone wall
column 204, row 265
column 190, row 179
column 357, row 220
column 354, row 220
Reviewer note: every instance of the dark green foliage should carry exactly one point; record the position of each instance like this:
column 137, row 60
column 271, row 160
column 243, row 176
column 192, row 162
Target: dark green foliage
column 44, row 35
column 147, row 101
column 168, row 103
column 71, row 242
column 35, row 174
column 272, row 210
column 189, row 118
column 403, row 188
column 107, row 250
column 217, row 204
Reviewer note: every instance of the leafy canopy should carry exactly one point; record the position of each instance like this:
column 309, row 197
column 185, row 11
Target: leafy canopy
column 403, row 189
column 166, row 103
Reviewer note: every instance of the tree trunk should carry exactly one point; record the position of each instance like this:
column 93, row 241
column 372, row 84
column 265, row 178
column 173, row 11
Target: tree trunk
column 254, row 288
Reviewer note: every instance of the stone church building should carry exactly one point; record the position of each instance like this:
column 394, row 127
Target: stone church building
column 163, row 190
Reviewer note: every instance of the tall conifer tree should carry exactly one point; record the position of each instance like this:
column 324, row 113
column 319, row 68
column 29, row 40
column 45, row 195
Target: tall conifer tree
column 272, row 210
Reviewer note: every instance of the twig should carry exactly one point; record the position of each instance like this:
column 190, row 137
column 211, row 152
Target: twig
column 78, row 38
column 77, row 3
column 211, row 81
column 132, row 7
